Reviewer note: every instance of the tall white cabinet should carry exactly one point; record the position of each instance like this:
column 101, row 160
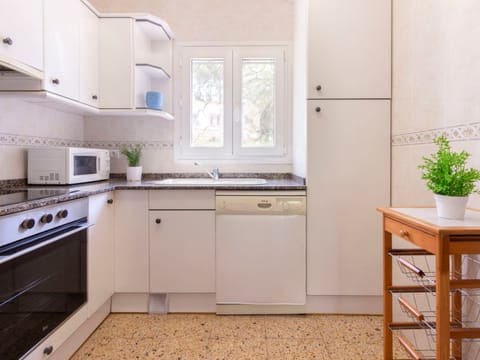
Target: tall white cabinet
column 348, row 164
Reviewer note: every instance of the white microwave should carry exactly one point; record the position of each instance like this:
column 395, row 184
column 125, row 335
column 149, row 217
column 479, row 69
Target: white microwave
column 67, row 165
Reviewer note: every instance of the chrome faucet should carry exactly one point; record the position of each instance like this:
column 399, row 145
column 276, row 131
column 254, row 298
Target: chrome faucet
column 214, row 174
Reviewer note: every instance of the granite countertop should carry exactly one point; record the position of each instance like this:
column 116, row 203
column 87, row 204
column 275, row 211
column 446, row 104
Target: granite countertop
column 274, row 182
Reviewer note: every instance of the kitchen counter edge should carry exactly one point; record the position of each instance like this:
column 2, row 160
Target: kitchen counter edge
column 85, row 190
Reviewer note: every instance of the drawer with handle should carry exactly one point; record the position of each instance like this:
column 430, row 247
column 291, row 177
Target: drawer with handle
column 411, row 234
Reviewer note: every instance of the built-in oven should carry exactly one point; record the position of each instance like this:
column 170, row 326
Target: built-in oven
column 43, row 273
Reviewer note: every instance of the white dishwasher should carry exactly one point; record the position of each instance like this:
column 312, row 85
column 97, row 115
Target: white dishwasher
column 260, row 252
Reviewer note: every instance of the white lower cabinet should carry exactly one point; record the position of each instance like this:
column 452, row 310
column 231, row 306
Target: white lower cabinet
column 182, row 251
column 131, row 241
column 101, row 250
column 182, row 241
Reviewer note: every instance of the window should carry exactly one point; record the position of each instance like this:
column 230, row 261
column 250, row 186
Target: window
column 233, row 102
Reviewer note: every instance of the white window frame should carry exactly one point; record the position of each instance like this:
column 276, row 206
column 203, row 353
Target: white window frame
column 232, row 149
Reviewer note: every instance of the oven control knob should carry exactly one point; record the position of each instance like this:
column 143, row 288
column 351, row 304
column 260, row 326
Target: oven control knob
column 27, row 224
column 46, row 218
column 62, row 214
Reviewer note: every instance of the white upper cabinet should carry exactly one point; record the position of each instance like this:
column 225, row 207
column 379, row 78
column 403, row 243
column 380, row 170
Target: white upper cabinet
column 349, row 49
column 88, row 57
column 116, row 63
column 135, row 57
column 21, row 33
column 62, row 39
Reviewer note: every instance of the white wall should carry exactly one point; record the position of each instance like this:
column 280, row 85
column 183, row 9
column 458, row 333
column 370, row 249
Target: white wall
column 436, row 69
column 300, row 88
column 23, row 124
column 215, row 20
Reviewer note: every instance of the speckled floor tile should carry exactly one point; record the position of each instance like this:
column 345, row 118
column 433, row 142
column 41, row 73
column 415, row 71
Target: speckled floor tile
column 181, row 348
column 211, row 337
column 293, row 326
column 241, row 327
column 238, row 349
column 297, row 349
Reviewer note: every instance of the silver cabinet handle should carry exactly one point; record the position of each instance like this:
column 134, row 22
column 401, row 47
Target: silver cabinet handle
column 7, row 41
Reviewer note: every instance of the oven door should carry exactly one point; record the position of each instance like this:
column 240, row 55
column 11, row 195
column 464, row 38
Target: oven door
column 42, row 282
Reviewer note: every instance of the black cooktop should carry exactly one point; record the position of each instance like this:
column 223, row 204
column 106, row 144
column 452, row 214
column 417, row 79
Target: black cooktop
column 15, row 196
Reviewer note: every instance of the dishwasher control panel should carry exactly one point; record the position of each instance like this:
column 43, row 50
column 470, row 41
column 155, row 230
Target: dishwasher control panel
column 251, row 204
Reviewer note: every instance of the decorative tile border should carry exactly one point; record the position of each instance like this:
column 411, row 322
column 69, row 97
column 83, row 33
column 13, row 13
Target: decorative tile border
column 27, row 140
column 453, row 133
column 115, row 145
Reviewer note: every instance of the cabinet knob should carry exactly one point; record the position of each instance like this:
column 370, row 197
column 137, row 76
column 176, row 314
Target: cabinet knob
column 94, row 97
column 55, row 81
column 7, row 41
column 110, row 201
column 403, row 233
column 318, row 109
column 319, row 87
column 158, row 221
column 48, row 350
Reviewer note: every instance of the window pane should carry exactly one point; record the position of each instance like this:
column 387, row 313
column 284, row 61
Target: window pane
column 206, row 118
column 258, row 102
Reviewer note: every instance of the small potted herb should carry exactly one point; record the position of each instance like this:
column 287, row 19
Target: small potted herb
column 133, row 154
column 447, row 175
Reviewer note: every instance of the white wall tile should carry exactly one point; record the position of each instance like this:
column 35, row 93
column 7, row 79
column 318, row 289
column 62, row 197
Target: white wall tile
column 436, row 69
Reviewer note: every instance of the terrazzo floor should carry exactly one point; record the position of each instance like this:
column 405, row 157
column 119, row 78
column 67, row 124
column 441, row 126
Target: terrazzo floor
column 211, row 337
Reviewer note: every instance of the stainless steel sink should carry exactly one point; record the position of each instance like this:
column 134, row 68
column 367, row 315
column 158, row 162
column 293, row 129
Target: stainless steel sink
column 209, row 181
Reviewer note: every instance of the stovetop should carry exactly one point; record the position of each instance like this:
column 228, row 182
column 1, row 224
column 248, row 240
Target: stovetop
column 16, row 196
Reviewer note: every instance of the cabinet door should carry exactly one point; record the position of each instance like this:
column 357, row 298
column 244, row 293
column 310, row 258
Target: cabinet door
column 21, row 31
column 182, row 251
column 116, row 70
column 348, row 177
column 62, row 24
column 349, row 49
column 101, row 252
column 131, row 241
column 88, row 56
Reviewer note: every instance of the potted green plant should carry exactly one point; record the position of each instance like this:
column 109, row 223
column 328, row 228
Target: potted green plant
column 447, row 175
column 133, row 154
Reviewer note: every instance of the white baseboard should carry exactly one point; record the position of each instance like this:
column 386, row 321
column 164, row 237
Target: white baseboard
column 191, row 303
column 343, row 304
column 251, row 309
column 130, row 302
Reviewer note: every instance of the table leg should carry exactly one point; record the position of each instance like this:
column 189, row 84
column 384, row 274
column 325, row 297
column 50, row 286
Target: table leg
column 443, row 299
column 387, row 297
column 457, row 304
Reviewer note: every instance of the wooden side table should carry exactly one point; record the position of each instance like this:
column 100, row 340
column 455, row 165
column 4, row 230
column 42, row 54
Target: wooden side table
column 448, row 241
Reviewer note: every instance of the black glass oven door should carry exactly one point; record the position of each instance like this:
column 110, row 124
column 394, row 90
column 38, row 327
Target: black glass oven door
column 39, row 290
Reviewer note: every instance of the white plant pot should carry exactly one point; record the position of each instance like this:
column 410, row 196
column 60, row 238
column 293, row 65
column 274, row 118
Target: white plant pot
column 134, row 173
column 451, row 207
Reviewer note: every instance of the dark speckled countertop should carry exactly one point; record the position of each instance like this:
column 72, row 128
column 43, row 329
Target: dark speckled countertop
column 274, row 182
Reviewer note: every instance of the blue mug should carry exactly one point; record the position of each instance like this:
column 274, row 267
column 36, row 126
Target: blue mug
column 154, row 100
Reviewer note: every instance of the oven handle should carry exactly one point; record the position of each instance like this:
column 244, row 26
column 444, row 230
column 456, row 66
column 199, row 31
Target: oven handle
column 4, row 259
